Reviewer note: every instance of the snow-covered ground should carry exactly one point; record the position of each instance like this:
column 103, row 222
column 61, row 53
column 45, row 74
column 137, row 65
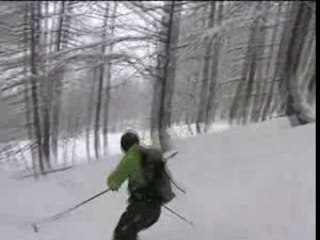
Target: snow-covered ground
column 253, row 183
column 74, row 151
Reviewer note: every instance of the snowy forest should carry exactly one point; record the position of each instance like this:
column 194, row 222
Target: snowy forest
column 226, row 90
column 81, row 71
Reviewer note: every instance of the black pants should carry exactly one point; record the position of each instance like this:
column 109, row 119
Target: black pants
column 139, row 215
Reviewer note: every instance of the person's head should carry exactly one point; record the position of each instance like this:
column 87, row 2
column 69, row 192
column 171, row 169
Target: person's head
column 128, row 139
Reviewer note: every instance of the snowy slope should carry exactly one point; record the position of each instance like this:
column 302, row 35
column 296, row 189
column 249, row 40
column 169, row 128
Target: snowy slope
column 255, row 182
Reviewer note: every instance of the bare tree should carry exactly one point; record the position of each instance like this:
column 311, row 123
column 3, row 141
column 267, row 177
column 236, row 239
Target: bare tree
column 108, row 79
column 241, row 101
column 34, row 42
column 164, row 85
column 61, row 37
column 300, row 63
column 64, row 75
column 27, row 98
column 267, row 98
column 201, row 119
column 46, row 88
column 100, row 87
column 214, row 70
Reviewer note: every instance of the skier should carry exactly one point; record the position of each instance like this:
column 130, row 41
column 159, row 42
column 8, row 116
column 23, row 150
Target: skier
column 146, row 195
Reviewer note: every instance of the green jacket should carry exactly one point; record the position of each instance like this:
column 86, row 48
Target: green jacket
column 129, row 168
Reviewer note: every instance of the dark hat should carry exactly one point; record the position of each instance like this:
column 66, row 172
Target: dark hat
column 128, row 139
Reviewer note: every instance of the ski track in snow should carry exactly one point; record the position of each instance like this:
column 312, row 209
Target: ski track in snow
column 250, row 183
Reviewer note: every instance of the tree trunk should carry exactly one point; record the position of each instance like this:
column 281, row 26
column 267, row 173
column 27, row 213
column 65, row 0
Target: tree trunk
column 214, row 72
column 267, row 99
column 168, row 72
column 297, row 69
column 27, row 98
column 57, row 85
column 201, row 118
column 46, row 96
column 90, row 111
column 97, row 144
column 108, row 82
column 278, row 75
column 155, row 108
column 243, row 93
column 260, row 77
column 34, row 43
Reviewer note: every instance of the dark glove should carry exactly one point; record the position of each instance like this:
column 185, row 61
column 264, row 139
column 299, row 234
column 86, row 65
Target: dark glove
column 114, row 189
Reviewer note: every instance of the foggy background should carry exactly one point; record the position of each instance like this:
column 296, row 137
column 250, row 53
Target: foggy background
column 75, row 74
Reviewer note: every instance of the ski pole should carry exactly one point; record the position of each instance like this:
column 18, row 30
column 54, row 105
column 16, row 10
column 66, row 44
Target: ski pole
column 170, row 177
column 65, row 212
column 178, row 215
column 172, row 155
column 174, row 183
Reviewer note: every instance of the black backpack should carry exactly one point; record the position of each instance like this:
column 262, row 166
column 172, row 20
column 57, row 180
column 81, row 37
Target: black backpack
column 156, row 174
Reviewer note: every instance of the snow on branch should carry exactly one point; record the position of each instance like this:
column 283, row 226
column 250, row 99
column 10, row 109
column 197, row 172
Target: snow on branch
column 109, row 42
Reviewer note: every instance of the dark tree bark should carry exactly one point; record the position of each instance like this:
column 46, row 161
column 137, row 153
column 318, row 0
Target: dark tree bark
column 46, row 96
column 34, row 43
column 295, row 58
column 172, row 20
column 27, row 83
column 108, row 81
column 57, row 84
column 97, row 142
